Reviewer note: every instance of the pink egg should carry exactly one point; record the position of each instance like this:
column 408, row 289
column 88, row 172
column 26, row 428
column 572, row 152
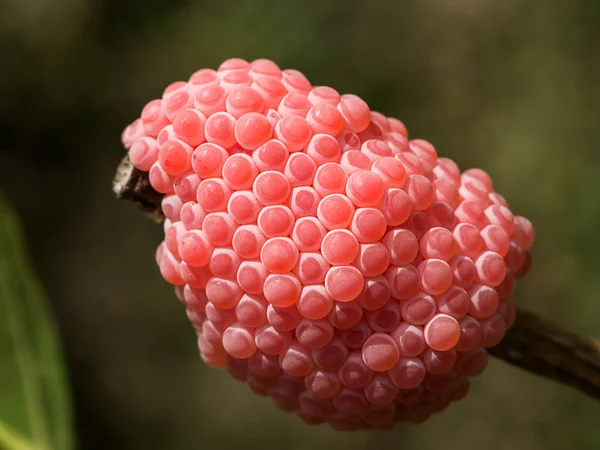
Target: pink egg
column 209, row 99
column 294, row 104
column 375, row 149
column 323, row 148
column 143, row 153
column 454, row 302
column 223, row 293
column 131, row 133
column 239, row 171
column 251, row 276
column 441, row 215
column 233, row 79
column 396, row 206
column 490, row 269
column 438, row 243
column 339, row 247
column 438, row 362
column 372, row 259
column 447, row 192
column 238, row 341
column 203, row 77
column 424, row 150
column 275, row 221
column 409, row 338
column 436, row 276
column 279, row 254
column 195, row 248
column 420, row 192
column 345, row 315
column 283, row 318
column 331, row 356
column 304, row 201
column 495, row 239
column 493, row 329
column 272, row 155
column 263, row 365
column 442, row 332
column 330, row 178
column 272, row 341
column 365, row 188
column 335, row 211
column 354, row 373
column 242, row 100
column 479, row 176
column 300, row 169
column 271, row 187
column 473, row 213
column 368, row 225
column 308, row 233
column 372, row 132
column 325, row 118
column 213, row 195
column 375, row 294
column 248, row 241
column 220, row 129
column 448, row 169
column 380, row 352
column 408, row 373
column 418, row 309
column 524, row 234
column 311, row 269
column 174, row 156
column 186, row 186
column 296, row 360
column 171, row 207
column 253, row 130
column 355, row 111
column 402, row 246
column 397, row 142
column 344, row 283
column 314, row 334
column 196, row 277
column 154, row 117
column 208, row 160
column 322, row 383
column 349, row 141
column 470, row 334
column 282, row 290
column 315, row 302
column 295, row 81
column 270, row 88
column 391, row 171
column 324, row 94
column 384, row 319
column 403, row 281
column 188, row 125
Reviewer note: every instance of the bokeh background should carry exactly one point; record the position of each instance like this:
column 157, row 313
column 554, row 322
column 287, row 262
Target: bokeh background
column 509, row 86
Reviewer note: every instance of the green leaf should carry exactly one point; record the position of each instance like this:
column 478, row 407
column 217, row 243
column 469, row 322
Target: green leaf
column 35, row 405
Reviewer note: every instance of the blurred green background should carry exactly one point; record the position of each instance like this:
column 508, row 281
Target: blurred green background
column 510, row 86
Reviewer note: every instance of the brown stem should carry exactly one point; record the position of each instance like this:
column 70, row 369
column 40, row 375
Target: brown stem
column 133, row 185
column 546, row 349
column 533, row 343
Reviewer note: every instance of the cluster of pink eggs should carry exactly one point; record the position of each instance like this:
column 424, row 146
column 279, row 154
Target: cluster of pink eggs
column 324, row 258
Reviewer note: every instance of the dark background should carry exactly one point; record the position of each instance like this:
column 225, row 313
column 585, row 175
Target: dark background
column 509, row 86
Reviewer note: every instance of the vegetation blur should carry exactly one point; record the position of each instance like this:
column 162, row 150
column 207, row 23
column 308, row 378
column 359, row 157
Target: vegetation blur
column 509, row 86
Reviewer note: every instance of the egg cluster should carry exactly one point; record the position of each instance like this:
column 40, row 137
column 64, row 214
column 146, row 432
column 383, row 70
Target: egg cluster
column 324, row 258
